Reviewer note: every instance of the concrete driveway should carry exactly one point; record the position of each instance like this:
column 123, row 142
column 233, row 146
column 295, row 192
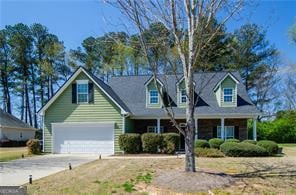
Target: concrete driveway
column 17, row 172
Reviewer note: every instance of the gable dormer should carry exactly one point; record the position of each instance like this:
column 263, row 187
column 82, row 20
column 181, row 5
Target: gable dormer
column 153, row 99
column 226, row 91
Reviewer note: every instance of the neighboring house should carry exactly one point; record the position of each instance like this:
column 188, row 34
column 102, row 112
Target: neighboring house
column 12, row 128
column 87, row 115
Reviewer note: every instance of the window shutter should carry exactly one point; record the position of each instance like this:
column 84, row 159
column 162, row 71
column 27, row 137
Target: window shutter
column 74, row 94
column 90, row 93
column 214, row 132
column 236, row 132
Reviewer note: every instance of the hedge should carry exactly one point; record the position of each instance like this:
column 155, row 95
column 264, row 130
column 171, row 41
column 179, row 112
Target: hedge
column 232, row 140
column 250, row 141
column 152, row 142
column 33, row 146
column 242, row 149
column 170, row 142
column 130, row 143
column 208, row 152
column 200, row 143
column 216, row 142
column 270, row 146
column 12, row 143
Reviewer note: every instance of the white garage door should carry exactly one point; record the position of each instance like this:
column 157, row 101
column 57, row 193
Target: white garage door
column 75, row 138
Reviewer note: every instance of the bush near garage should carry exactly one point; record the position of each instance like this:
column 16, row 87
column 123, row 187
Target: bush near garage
column 242, row 150
column 130, row 143
column 208, row 152
column 33, row 146
column 170, row 142
column 152, row 142
column 270, row 146
column 215, row 143
column 201, row 143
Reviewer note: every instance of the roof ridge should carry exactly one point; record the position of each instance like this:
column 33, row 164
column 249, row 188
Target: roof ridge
column 205, row 72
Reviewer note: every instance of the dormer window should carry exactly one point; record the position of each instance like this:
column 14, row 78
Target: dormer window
column 183, row 97
column 82, row 91
column 153, row 99
column 228, row 94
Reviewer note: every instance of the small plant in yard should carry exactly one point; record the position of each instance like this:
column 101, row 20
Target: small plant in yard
column 208, row 152
column 146, row 178
column 216, row 142
column 270, row 146
column 33, row 146
column 129, row 186
column 200, row 143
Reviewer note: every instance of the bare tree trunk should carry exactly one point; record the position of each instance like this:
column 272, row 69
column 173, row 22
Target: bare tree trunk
column 22, row 103
column 28, row 108
column 34, row 97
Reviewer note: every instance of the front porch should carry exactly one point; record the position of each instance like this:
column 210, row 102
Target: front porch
column 224, row 128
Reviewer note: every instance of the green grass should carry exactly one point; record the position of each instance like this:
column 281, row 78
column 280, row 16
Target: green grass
column 12, row 153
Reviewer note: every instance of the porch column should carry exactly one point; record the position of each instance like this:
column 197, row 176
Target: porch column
column 255, row 128
column 222, row 129
column 196, row 128
column 158, row 125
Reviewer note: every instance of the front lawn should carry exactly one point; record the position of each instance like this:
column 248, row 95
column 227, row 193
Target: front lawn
column 11, row 153
column 266, row 175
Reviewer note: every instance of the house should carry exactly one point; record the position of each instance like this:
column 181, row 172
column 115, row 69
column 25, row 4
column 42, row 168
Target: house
column 87, row 115
column 12, row 128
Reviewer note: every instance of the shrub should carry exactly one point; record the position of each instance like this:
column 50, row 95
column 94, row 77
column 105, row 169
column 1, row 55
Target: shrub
column 33, row 146
column 170, row 142
column 208, row 152
column 151, row 142
column 232, row 140
column 216, row 142
column 200, row 143
column 270, row 146
column 12, row 143
column 242, row 149
column 250, row 141
column 130, row 143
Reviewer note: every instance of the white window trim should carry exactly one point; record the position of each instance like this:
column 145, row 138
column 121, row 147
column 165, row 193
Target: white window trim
column 232, row 95
column 225, row 134
column 150, row 97
column 154, row 129
column 82, row 82
column 181, row 96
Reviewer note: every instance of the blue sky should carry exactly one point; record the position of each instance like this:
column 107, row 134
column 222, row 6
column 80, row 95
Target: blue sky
column 75, row 20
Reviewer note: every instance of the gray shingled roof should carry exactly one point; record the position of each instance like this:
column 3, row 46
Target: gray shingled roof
column 8, row 120
column 132, row 91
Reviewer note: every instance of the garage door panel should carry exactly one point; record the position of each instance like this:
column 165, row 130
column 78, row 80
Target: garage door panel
column 83, row 138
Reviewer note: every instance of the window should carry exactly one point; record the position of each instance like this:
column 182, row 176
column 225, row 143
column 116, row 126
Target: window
column 183, row 96
column 153, row 97
column 82, row 92
column 228, row 94
column 229, row 132
column 153, row 129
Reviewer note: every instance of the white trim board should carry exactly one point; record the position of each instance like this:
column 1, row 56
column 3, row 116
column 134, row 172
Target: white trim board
column 228, row 74
column 68, row 82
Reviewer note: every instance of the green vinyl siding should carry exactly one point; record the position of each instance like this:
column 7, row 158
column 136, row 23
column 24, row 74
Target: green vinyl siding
column 228, row 83
column 63, row 110
column 151, row 86
column 129, row 125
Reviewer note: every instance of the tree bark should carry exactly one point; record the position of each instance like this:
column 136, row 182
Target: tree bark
column 34, row 96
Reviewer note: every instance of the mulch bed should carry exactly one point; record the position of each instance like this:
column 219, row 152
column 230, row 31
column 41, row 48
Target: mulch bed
column 180, row 181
